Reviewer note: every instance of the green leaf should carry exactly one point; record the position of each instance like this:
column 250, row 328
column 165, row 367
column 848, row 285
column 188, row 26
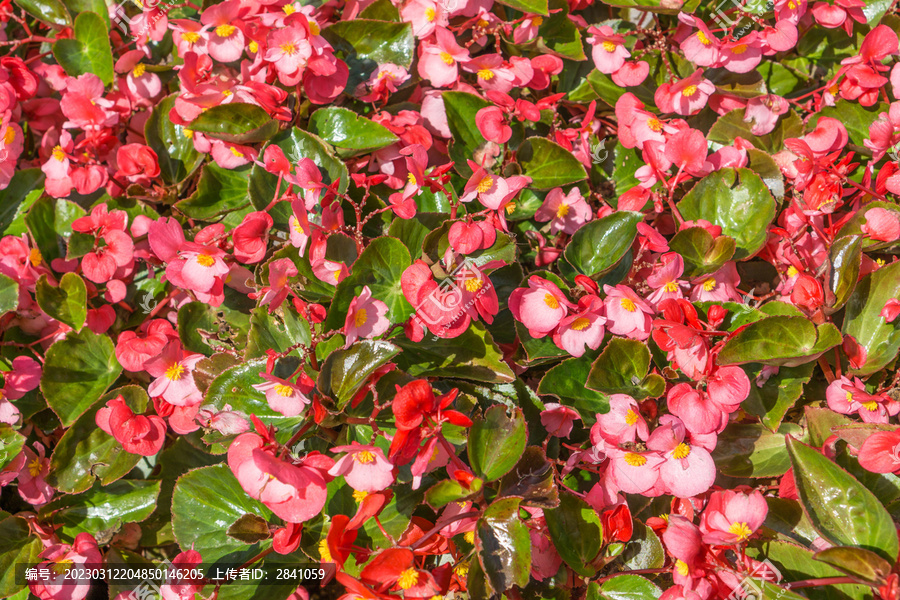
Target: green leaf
column 503, row 543
column 9, row 294
column 89, row 52
column 11, row 443
column 447, row 491
column 380, row 10
column 778, row 394
column 656, row 6
column 527, row 6
column 864, row 322
column 764, row 165
column 103, row 509
column 532, row 480
column 861, row 564
column 576, row 531
column 21, row 192
column 643, row 550
column 67, row 302
column 738, row 201
column 466, row 138
column 77, row 371
column 596, row 248
column 796, row 563
column 205, row 503
column 277, row 331
column 844, row 262
column 86, row 452
column 177, row 156
column 622, row 368
column 626, row 587
column 345, row 371
column 52, row 12
column 344, row 128
column 412, row 232
column 364, row 44
column 732, row 125
column 249, row 529
column 50, row 222
column 702, row 253
column 17, row 545
column 548, row 164
column 218, row 192
column 379, row 266
column 843, row 510
column 472, row 355
column 780, row 340
column 568, row 382
column 236, row 122
column 753, row 450
column 557, row 35
column 496, row 441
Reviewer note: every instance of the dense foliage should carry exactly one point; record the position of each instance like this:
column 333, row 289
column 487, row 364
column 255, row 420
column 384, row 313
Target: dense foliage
column 534, row 299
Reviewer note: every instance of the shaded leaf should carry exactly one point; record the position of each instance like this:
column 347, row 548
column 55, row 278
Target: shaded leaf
column 496, row 441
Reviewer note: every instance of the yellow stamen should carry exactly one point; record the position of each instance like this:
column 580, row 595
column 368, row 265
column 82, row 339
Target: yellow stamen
column 59, row 154
column 654, row 124
column 486, row 74
column 671, row 287
column 849, row 397
column 283, row 390
column 628, row 304
column 462, row 570
column 188, row 133
column 314, row 28
column 34, row 467
column 792, row 271
column 191, row 37
column 537, row 21
column 10, row 136
column 227, row 93
column 35, row 258
column 62, row 567
column 361, row 317
column 408, row 579
column 175, row 372
column 224, row 31
column 635, row 460
column 205, row 260
column 359, row 495
column 741, row 530
column 870, row 406
column 412, row 179
column 447, row 58
column 253, row 46
column 138, row 70
column 485, row 184
column 236, row 152
column 631, row 417
column 289, row 48
column 469, row 536
column 430, row 13
column 510, row 208
column 562, row 211
column 364, row 457
column 473, row 284
column 337, row 275
column 710, row 284
column 580, row 323
column 682, row 568
column 551, row 301
column 324, row 552
column 703, row 39
column 288, row 9
column 739, row 49
column 682, row 450
column 609, row 46
column 689, row 91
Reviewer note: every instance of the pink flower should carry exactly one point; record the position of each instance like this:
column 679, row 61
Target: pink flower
column 295, row 493
column 289, row 51
column 687, row 150
column 280, row 271
column 541, row 307
column 634, row 472
column 683, row 540
column 701, row 47
column 173, row 370
column 608, row 49
column 688, row 469
column 439, row 59
column 491, row 122
column 226, row 40
column 848, row 396
column 732, row 517
column 685, row 97
column 24, row 377
column 138, row 164
column 492, row 72
column 133, row 351
column 622, row 424
column 566, row 212
column 626, row 313
column 33, row 487
column 558, row 419
column 882, row 225
column 283, row 396
column 891, row 310
column 720, row 286
column 426, row 17
column 583, row 328
column 763, row 112
column 365, row 317
column 880, row 453
column 183, row 588
column 138, row 434
column 251, row 237
column 665, row 278
column 364, row 467
column 83, row 551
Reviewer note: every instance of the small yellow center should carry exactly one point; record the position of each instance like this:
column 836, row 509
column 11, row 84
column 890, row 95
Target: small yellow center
column 223, row 31
column 62, row 567
column 337, row 275
column 671, row 287
column 205, row 260
column 188, row 133
column 609, row 46
column 364, row 457
column 138, row 70
column 739, row 49
column 447, row 58
column 288, row 9
column 580, row 323
column 482, row 23
column 34, row 467
column 486, row 74
column 462, row 569
column 314, row 28
column 551, row 301
column 792, row 5
column 485, row 184
column 537, row 21
column 689, row 91
column 289, row 48
column 361, row 316
column 324, row 553
column 628, row 304
column 10, row 136
column 430, row 13
column 635, row 460
column 412, row 179
column 741, row 530
column 359, row 495
column 682, row 568
column 473, row 284
column 175, row 372
column 253, row 46
column 631, row 417
column 510, row 208
column 59, row 154
column 191, row 37
column 408, row 578
column 703, row 39
column 236, row 152
column 709, row 285
column 35, row 258
column 227, row 93
column 283, row 390
column 870, row 406
column 469, row 536
column 792, row 271
column 682, row 450
column 654, row 124
column 562, row 211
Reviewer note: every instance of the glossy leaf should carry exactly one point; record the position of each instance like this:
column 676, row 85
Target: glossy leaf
column 548, row 164
column 702, row 253
column 796, row 563
column 845, row 512
column 66, row 302
column 528, row 6
column 622, row 368
column 84, row 365
column 532, row 480
column 345, row 371
column 844, row 262
column 753, row 450
column 218, row 192
column 864, row 322
column 236, row 122
column 52, row 12
column 780, row 340
column 771, row 401
column 861, row 564
column 89, row 51
column 447, row 491
column 9, row 294
column 50, row 223
column 503, row 544
column 738, row 201
column 17, row 545
column 627, row 587
column 466, row 141
column 732, row 125
column 496, row 441
column 576, row 531
column 344, row 128
column 175, row 149
column 11, row 443
column 597, row 247
column 23, row 189
column 568, row 382
column 472, row 355
column 364, row 44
